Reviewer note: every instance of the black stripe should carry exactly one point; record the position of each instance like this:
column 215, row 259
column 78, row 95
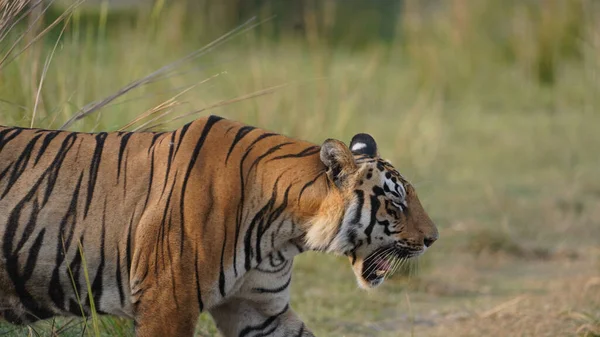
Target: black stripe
column 247, row 330
column 240, row 208
column 198, row 290
column 301, row 332
column 51, row 174
column 55, row 290
column 360, row 196
column 12, row 225
column 207, row 127
column 47, row 140
column 70, row 217
column 7, row 135
column 222, row 270
column 273, row 234
column 297, row 245
column 128, row 248
column 155, row 137
column 140, row 281
column 184, row 130
column 160, row 238
column 243, row 131
column 262, row 156
column 150, row 180
column 29, row 227
column 308, row 184
column 97, row 284
column 34, row 251
column 210, row 199
column 3, row 173
column 75, row 267
column 171, row 263
column 119, row 278
column 280, row 257
column 270, row 221
column 265, row 216
column 278, row 266
column 259, row 217
column 168, row 240
column 267, row 332
column 282, row 266
column 169, row 161
column 374, row 207
column 378, row 191
column 274, row 290
column 36, row 311
column 94, row 166
column 20, row 165
column 54, row 167
column 125, row 176
column 304, row 153
column 122, row 146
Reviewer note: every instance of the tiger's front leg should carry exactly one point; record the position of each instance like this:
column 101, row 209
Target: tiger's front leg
column 160, row 312
column 244, row 318
column 260, row 307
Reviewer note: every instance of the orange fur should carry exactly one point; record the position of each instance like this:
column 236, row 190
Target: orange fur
column 206, row 217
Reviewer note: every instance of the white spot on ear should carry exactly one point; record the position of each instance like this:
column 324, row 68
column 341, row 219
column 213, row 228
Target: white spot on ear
column 358, row 146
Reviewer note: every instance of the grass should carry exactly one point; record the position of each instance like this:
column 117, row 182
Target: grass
column 490, row 108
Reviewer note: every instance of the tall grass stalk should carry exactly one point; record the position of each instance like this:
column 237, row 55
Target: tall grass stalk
column 73, row 283
column 45, row 71
column 95, row 322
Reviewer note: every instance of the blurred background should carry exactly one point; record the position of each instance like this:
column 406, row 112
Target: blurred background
column 490, row 107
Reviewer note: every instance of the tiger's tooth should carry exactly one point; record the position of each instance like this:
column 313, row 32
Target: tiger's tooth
column 379, row 272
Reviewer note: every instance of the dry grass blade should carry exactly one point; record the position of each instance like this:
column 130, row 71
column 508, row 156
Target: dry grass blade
column 65, row 14
column 45, row 71
column 9, row 11
column 502, row 306
column 254, row 94
column 71, row 324
column 171, row 102
column 218, row 104
column 97, row 105
column 19, row 106
column 11, row 23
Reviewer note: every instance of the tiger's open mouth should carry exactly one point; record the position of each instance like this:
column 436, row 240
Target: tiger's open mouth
column 382, row 263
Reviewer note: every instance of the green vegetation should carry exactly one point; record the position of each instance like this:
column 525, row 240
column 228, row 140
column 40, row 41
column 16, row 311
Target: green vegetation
column 491, row 108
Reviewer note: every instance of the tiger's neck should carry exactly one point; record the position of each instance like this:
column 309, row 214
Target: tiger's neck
column 287, row 209
column 302, row 209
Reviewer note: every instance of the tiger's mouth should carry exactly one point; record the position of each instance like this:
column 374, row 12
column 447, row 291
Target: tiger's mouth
column 383, row 262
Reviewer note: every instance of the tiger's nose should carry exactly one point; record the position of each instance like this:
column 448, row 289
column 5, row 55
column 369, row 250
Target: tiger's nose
column 428, row 241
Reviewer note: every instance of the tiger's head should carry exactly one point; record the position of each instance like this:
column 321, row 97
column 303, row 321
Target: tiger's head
column 381, row 221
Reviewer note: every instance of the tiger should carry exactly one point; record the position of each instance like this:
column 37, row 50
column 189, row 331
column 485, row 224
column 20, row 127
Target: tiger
column 158, row 227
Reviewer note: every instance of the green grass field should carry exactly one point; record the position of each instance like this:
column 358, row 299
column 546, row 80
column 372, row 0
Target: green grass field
column 492, row 109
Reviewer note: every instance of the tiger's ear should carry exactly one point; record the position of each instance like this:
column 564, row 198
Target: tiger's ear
column 363, row 143
column 338, row 159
